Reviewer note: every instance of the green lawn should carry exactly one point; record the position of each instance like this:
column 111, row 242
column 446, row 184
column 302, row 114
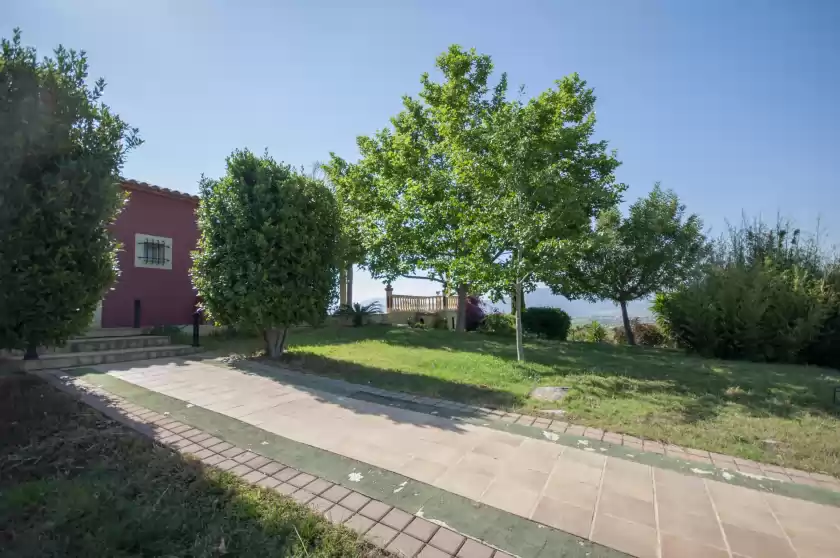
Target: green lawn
column 73, row 483
column 773, row 413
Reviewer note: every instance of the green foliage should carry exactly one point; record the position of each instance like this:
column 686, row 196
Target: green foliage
column 646, row 334
column 766, row 294
column 62, row 151
column 548, row 323
column 468, row 185
column 359, row 313
column 592, row 332
column 269, row 247
column 503, row 325
column 655, row 248
column 824, row 349
column 439, row 322
column 403, row 195
column 539, row 179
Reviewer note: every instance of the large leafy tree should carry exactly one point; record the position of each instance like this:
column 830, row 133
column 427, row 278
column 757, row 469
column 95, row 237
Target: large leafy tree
column 655, row 248
column 404, row 196
column 62, row 150
column 468, row 186
column 269, row 249
column 539, row 180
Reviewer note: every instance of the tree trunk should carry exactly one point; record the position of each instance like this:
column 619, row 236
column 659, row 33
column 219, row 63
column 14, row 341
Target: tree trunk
column 275, row 341
column 627, row 329
column 461, row 319
column 349, row 274
column 520, row 350
column 342, row 287
column 31, row 352
column 515, row 304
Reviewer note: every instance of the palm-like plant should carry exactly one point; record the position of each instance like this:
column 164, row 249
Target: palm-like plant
column 358, row 312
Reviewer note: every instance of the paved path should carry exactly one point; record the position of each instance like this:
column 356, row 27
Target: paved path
column 640, row 510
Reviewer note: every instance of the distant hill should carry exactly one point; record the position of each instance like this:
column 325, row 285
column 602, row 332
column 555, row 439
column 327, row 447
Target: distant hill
column 605, row 312
column 581, row 311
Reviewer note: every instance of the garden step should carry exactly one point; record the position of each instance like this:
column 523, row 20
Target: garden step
column 89, row 344
column 91, row 358
column 112, row 332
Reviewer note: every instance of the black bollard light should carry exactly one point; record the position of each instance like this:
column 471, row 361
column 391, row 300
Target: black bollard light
column 196, row 320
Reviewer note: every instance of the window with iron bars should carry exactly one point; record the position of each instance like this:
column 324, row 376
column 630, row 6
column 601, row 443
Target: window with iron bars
column 154, row 252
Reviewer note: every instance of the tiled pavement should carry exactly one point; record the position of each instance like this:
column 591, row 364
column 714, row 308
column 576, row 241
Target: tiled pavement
column 635, row 508
column 388, row 527
column 552, row 422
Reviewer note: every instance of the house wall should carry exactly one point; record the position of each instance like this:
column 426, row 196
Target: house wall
column 166, row 296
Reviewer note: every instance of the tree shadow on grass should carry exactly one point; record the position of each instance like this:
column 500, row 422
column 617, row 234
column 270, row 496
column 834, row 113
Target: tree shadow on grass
column 396, row 380
column 704, row 386
column 75, row 484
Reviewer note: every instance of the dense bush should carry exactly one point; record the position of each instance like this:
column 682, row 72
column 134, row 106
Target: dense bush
column 549, row 323
column 498, row 324
column 592, row 332
column 766, row 294
column 825, row 348
column 61, row 154
column 647, row 334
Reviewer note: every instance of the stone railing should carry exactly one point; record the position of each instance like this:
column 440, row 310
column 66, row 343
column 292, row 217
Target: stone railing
column 407, row 303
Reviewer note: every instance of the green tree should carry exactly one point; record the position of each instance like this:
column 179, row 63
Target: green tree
column 404, row 195
column 538, row 179
column 62, row 150
column 268, row 253
column 655, row 248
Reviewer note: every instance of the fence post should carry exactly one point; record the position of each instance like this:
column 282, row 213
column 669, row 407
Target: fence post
column 389, row 297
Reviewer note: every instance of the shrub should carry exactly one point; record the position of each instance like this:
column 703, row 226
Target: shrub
column 647, row 334
column 824, row 350
column 358, row 313
column 550, row 323
column 766, row 295
column 62, row 153
column 592, row 332
column 269, row 247
column 498, row 324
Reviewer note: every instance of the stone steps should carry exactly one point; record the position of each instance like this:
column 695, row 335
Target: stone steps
column 87, row 344
column 92, row 358
column 113, row 332
column 90, row 344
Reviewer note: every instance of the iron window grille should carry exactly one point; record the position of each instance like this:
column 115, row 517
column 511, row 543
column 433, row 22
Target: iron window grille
column 154, row 252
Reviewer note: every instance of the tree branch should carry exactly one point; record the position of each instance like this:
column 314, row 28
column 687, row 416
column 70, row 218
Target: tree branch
column 497, row 256
column 421, row 277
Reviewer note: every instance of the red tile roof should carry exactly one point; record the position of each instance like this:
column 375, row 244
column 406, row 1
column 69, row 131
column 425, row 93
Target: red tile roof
column 146, row 187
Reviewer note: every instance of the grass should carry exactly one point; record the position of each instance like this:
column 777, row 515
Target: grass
column 74, row 483
column 773, row 413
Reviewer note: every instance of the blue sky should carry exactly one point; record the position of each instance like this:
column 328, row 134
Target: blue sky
column 731, row 104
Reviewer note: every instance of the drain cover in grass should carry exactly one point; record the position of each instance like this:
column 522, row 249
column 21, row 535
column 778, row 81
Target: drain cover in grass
column 550, row 393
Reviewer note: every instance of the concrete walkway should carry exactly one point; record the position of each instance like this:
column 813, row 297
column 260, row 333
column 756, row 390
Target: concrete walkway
column 621, row 504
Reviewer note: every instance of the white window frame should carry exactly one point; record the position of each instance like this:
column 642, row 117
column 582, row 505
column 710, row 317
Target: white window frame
column 140, row 255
